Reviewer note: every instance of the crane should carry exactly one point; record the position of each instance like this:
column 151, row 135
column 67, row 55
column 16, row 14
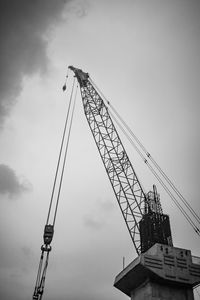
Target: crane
column 160, row 271
column 141, row 211
column 147, row 225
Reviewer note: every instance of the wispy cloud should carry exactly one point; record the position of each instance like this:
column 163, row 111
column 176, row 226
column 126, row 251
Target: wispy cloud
column 10, row 183
column 97, row 218
column 24, row 25
column 93, row 222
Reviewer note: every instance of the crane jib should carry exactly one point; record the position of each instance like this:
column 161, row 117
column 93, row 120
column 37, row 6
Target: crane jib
column 135, row 205
column 124, row 181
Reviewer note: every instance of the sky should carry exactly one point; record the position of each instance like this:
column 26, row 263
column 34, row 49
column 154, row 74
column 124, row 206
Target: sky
column 145, row 58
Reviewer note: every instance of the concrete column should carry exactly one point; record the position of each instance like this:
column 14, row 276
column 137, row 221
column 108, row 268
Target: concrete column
column 154, row 291
column 162, row 273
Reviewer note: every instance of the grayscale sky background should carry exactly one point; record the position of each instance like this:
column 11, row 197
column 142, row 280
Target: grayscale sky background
column 145, row 57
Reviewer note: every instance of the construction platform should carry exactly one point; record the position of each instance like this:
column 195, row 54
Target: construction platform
column 161, row 273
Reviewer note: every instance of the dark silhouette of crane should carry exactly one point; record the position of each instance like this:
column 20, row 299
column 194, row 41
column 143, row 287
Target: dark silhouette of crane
column 160, row 271
column 147, row 225
column 142, row 212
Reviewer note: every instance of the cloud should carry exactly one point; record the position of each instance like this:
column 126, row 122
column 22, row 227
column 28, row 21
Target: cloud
column 24, row 27
column 97, row 218
column 10, row 184
column 92, row 222
column 27, row 251
column 107, row 205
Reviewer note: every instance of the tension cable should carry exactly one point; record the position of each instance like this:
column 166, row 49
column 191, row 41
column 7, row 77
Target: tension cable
column 49, row 228
column 147, row 156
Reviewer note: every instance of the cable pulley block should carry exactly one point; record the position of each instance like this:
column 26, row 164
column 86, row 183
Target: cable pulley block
column 46, row 248
column 48, row 234
column 49, row 229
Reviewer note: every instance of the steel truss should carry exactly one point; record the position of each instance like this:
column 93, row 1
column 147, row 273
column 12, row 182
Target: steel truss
column 124, row 181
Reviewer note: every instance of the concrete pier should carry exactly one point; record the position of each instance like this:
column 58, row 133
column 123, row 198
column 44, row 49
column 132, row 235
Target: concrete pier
column 161, row 273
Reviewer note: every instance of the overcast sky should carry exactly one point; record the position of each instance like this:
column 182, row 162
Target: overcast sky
column 145, row 57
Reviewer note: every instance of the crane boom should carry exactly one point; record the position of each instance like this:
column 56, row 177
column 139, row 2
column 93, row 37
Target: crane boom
column 142, row 212
column 124, row 181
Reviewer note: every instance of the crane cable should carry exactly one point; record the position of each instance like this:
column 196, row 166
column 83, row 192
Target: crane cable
column 163, row 174
column 186, row 215
column 157, row 176
column 159, row 168
column 65, row 156
column 49, row 229
column 60, row 152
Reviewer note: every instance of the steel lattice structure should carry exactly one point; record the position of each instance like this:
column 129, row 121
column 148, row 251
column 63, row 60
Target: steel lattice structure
column 124, row 181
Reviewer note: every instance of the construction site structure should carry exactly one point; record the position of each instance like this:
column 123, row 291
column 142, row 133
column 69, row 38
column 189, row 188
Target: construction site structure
column 161, row 271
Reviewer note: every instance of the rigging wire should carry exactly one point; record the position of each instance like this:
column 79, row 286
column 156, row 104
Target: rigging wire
column 65, row 155
column 163, row 174
column 37, row 290
column 158, row 167
column 157, row 176
column 188, row 218
column 60, row 153
column 49, row 229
